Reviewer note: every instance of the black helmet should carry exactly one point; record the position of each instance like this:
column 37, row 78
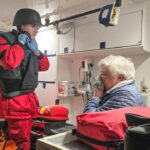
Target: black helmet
column 27, row 16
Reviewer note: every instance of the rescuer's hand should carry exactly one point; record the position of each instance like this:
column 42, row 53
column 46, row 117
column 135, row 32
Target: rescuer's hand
column 23, row 38
column 32, row 45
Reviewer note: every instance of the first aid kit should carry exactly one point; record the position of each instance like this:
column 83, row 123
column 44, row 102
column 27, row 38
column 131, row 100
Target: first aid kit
column 106, row 129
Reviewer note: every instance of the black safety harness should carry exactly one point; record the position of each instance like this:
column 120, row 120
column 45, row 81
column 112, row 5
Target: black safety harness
column 24, row 78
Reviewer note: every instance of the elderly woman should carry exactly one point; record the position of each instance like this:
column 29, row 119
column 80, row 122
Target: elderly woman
column 118, row 86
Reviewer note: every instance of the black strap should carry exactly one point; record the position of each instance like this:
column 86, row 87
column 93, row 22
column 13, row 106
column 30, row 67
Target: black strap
column 2, row 54
column 113, row 144
column 9, row 37
column 16, row 93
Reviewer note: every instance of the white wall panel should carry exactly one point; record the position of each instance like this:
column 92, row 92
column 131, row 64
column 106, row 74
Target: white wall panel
column 50, row 74
column 47, row 96
column 48, row 40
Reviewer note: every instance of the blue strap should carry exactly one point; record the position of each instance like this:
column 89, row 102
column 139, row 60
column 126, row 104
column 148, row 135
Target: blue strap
column 105, row 20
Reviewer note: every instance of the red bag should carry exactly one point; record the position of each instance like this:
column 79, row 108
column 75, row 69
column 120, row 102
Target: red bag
column 54, row 110
column 107, row 128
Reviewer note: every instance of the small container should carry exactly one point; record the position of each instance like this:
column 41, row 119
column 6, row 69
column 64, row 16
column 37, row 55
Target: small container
column 67, row 88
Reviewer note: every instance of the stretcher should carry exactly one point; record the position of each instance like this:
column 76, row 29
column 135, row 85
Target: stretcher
column 61, row 141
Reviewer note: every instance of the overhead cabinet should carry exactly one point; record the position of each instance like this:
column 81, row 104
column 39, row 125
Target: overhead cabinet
column 66, row 41
column 132, row 30
column 128, row 32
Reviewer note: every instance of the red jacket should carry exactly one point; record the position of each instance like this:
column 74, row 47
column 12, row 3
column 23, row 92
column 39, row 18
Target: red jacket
column 23, row 106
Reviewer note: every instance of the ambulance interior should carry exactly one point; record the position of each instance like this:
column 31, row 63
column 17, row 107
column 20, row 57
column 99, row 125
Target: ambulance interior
column 75, row 41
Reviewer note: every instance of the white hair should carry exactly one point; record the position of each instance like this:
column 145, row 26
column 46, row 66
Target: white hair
column 119, row 65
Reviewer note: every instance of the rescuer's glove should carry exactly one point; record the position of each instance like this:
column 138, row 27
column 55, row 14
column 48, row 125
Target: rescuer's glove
column 23, row 38
column 32, row 45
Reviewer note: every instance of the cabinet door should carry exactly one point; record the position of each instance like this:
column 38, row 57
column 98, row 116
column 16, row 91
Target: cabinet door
column 128, row 32
column 66, row 42
column 50, row 74
column 48, row 41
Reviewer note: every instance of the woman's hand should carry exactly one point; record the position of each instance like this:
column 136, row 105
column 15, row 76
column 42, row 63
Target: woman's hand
column 98, row 92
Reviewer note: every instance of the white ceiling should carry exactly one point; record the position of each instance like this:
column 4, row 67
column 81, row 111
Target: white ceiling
column 8, row 8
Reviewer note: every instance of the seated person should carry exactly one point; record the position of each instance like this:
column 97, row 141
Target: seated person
column 118, row 87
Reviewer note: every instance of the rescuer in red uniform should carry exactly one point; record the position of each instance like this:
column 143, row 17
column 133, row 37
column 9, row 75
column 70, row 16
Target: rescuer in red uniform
column 20, row 61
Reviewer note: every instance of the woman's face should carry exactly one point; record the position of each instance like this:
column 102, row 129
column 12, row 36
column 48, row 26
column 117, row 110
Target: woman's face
column 32, row 29
column 109, row 80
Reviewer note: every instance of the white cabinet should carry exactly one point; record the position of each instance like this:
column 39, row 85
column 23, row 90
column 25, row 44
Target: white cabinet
column 126, row 33
column 129, row 38
column 131, row 30
column 66, row 42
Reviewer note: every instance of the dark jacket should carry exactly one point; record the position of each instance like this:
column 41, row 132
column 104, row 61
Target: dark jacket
column 22, row 79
